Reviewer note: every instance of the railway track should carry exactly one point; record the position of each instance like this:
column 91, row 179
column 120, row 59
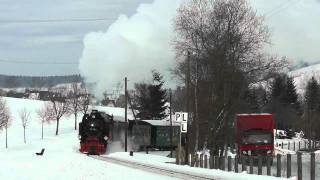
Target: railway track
column 154, row 169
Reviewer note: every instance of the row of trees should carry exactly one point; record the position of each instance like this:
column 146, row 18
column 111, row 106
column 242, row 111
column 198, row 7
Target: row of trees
column 224, row 41
column 60, row 104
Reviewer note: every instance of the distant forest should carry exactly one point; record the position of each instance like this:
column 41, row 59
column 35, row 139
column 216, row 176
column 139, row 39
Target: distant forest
column 36, row 81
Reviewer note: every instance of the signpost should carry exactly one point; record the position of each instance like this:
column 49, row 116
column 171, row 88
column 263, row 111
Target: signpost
column 182, row 118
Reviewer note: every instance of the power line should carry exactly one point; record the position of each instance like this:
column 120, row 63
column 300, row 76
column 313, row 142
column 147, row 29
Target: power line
column 54, row 20
column 281, row 8
column 35, row 62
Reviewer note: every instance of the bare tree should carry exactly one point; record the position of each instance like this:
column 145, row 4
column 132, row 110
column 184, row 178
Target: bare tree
column 57, row 107
column 84, row 101
column 5, row 117
column 75, row 101
column 225, row 41
column 25, row 117
column 44, row 116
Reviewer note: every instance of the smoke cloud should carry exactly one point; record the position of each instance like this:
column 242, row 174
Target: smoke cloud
column 131, row 47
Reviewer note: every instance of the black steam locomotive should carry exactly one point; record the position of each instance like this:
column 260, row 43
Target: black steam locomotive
column 94, row 132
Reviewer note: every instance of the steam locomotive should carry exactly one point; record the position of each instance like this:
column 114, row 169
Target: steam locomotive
column 97, row 128
column 94, row 132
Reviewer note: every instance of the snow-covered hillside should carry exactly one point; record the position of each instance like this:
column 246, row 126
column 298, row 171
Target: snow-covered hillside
column 302, row 75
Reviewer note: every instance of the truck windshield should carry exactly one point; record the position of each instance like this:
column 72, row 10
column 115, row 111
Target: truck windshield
column 257, row 137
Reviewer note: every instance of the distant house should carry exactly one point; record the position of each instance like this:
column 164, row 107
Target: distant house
column 44, row 95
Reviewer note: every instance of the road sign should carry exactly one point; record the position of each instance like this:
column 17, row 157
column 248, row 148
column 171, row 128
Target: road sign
column 181, row 117
column 184, row 127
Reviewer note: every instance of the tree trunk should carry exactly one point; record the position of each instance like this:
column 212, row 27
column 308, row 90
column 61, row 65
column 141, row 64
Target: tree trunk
column 24, row 134
column 57, row 128
column 75, row 120
column 6, row 137
column 42, row 130
column 196, row 110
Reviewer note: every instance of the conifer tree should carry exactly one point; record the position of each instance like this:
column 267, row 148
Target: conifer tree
column 151, row 98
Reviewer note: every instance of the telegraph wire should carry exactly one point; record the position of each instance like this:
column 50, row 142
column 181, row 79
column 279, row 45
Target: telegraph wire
column 35, row 62
column 54, row 20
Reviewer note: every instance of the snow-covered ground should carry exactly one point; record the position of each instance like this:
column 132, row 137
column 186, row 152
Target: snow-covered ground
column 62, row 160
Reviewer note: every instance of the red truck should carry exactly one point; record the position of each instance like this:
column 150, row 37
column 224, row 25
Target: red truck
column 254, row 134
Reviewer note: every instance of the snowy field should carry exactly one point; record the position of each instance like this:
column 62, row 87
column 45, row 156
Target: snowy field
column 62, row 160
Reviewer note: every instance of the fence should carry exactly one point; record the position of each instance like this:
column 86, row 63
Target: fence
column 301, row 165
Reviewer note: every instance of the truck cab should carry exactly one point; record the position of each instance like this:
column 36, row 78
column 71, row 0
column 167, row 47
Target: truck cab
column 254, row 134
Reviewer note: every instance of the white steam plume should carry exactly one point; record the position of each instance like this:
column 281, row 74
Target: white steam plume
column 131, row 47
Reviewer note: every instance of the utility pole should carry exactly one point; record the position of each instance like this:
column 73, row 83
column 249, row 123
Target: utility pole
column 171, row 129
column 125, row 115
column 187, row 107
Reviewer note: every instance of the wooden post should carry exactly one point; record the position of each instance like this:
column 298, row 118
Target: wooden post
column 278, row 165
column 236, row 161
column 229, row 163
column 259, row 165
column 269, row 165
column 299, row 146
column 211, row 161
column 294, row 146
column 299, row 165
column 305, row 144
column 222, row 163
column 288, row 165
column 313, row 167
column 205, row 161
column 243, row 163
column 125, row 115
column 171, row 129
column 216, row 162
column 251, row 164
column 289, row 145
column 197, row 160
column 201, row 161
column 282, row 145
column 192, row 160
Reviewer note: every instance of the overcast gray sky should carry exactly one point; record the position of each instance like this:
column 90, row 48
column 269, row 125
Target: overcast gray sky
column 295, row 26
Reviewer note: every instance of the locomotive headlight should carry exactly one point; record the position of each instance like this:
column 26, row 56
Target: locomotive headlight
column 269, row 152
column 91, row 124
column 106, row 138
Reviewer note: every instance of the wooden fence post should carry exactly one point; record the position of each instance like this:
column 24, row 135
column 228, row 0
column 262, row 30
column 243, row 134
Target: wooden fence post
column 282, row 145
column 222, row 163
column 211, row 161
column 259, row 165
column 201, row 160
column 299, row 146
column 294, row 146
column 278, row 165
column 229, row 163
column 299, row 165
column 305, row 144
column 243, row 163
column 216, row 162
column 313, row 167
column 205, row 161
column 288, row 165
column 289, row 145
column 236, row 161
column 251, row 164
column 197, row 160
column 269, row 158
